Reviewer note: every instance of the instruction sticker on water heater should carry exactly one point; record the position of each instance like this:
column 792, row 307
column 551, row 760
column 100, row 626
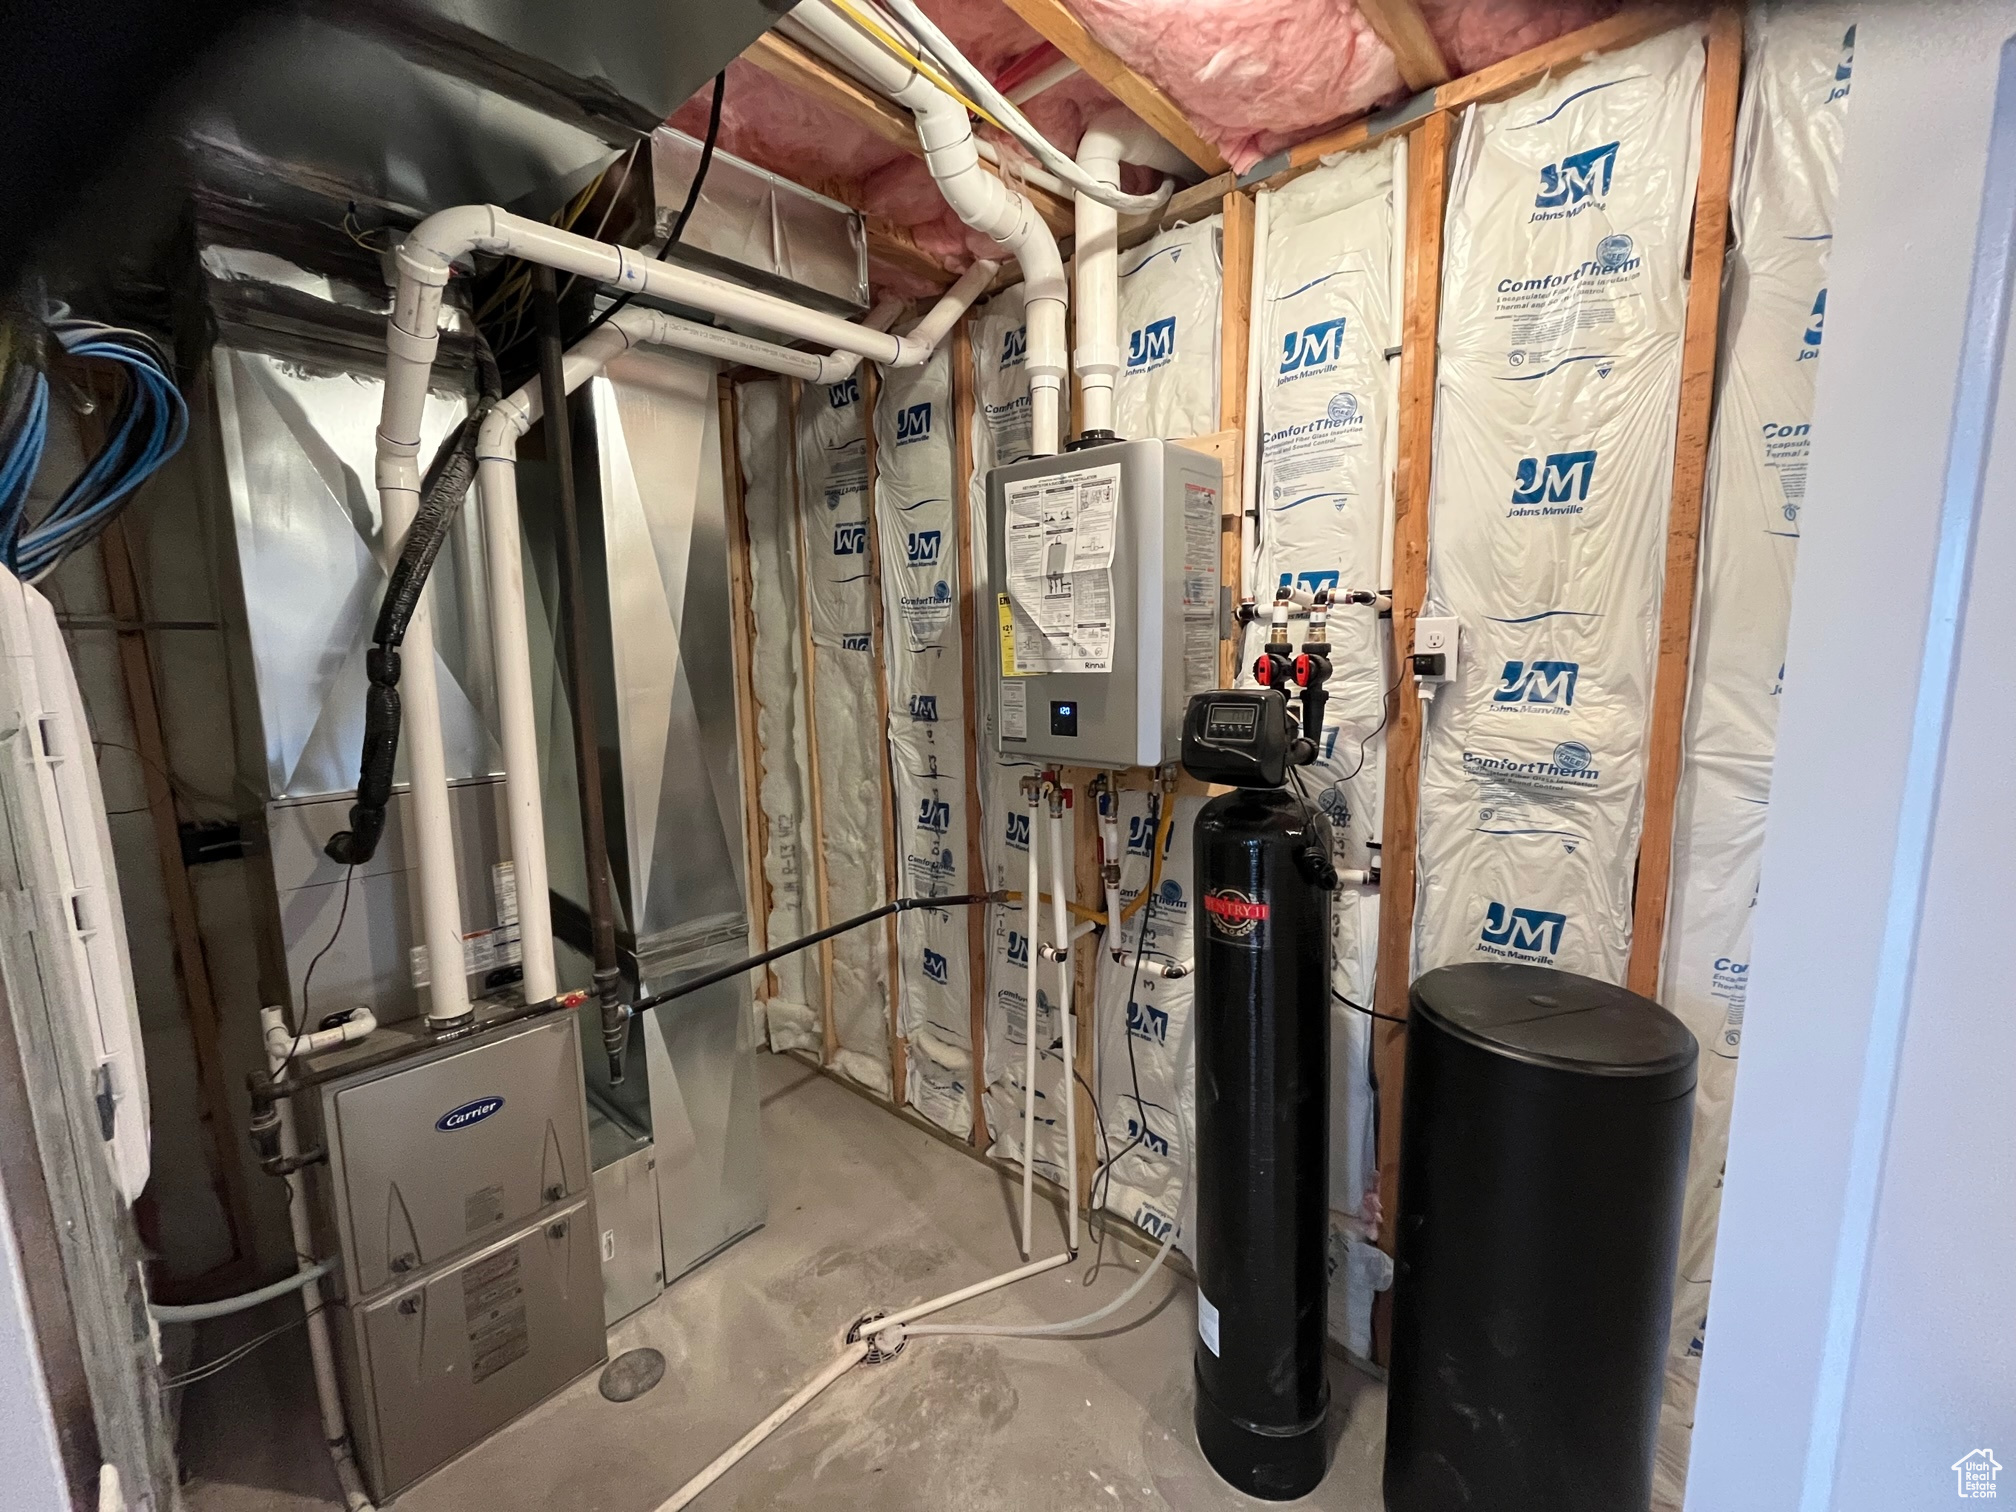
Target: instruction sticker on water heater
column 1060, row 531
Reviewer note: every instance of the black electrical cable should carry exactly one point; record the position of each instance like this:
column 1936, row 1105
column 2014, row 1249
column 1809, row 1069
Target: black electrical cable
column 901, row 905
column 1385, row 713
column 1368, row 1012
column 441, row 494
column 686, row 210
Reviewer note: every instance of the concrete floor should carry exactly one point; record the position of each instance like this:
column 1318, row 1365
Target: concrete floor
column 864, row 1209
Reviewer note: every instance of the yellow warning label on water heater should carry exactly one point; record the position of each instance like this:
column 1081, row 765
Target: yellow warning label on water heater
column 1007, row 613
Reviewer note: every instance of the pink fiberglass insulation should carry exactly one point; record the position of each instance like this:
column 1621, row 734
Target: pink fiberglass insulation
column 1475, row 34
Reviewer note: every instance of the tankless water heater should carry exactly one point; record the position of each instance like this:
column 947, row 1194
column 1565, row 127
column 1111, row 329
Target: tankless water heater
column 1103, row 564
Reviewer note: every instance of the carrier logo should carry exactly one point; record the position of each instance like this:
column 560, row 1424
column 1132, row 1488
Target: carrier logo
column 1845, row 69
column 1563, row 478
column 1234, row 915
column 1530, row 933
column 1018, row 948
column 934, row 814
column 1313, row 348
column 913, row 424
column 1146, row 1021
column 469, row 1113
column 1578, row 181
column 923, row 547
column 1809, row 344
column 846, row 392
column 936, row 968
column 1153, row 346
column 1541, row 682
column 1014, row 347
column 850, row 538
column 854, row 643
column 1018, row 831
column 924, row 708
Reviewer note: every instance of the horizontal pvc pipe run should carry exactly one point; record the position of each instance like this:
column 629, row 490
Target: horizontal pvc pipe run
column 223, row 1307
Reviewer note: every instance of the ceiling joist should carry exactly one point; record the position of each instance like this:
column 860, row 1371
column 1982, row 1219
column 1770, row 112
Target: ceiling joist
column 1400, row 26
column 1064, row 31
column 790, row 64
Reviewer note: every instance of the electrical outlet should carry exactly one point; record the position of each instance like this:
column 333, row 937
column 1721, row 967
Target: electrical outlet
column 1436, row 635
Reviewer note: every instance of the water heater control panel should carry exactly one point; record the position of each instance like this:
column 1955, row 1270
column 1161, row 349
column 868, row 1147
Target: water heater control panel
column 1103, row 570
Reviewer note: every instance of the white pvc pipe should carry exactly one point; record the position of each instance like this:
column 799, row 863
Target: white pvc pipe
column 1396, row 288
column 1060, row 924
column 1032, row 918
column 968, row 1293
column 1050, row 78
column 1112, row 137
column 286, row 1046
column 224, row 1307
column 841, row 1363
column 979, row 198
column 322, row 1356
column 1256, row 409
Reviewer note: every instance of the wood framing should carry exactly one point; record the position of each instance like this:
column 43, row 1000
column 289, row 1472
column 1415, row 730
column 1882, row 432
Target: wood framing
column 1400, row 26
column 1630, row 25
column 1690, row 478
column 755, row 823
column 1427, row 196
column 192, row 967
column 969, row 638
column 899, row 1049
column 891, row 244
column 1061, row 29
column 815, row 78
column 822, row 897
column 1235, row 408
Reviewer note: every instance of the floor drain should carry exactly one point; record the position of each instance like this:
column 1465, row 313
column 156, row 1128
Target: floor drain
column 632, row 1373
column 878, row 1352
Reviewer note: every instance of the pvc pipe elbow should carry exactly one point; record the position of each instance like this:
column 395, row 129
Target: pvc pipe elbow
column 427, row 254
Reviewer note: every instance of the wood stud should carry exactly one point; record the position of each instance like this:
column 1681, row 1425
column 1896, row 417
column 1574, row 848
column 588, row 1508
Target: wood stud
column 968, row 558
column 755, row 823
column 899, row 1049
column 1690, row 480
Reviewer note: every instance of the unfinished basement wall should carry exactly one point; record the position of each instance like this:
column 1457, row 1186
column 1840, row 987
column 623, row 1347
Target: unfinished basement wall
column 1789, row 141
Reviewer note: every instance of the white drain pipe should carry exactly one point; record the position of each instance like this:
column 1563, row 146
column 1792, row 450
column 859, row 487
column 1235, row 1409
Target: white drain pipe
column 497, row 496
column 1113, row 137
column 1060, row 925
column 425, row 260
column 980, row 199
column 321, row 1354
column 1032, row 920
column 1258, row 325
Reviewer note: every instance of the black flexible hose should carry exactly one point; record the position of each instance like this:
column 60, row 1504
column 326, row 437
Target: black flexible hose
column 441, row 494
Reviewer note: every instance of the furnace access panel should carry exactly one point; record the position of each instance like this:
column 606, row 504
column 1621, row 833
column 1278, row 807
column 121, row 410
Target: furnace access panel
column 1103, row 565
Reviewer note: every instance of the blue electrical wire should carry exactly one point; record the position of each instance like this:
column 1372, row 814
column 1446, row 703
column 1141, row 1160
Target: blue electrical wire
column 149, row 426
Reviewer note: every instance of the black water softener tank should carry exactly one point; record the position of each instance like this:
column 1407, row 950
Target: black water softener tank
column 1543, row 1147
column 1263, row 1137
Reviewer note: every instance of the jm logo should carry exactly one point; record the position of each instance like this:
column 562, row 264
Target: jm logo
column 924, row 708
column 850, row 538
column 1018, row 831
column 1146, row 1021
column 913, row 424
column 1150, row 1222
column 935, row 967
column 1564, row 476
column 1529, row 929
column 854, row 643
column 1312, row 347
column 1578, row 177
column 1018, row 948
column 1153, row 1143
column 1313, row 581
column 840, row 395
column 1140, row 835
column 1014, row 347
column 1809, row 344
column 1152, row 345
column 1845, row 69
column 934, row 814
column 923, row 548
column 1540, row 682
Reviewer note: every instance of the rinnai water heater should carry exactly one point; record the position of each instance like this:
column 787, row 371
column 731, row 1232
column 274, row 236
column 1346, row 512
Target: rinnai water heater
column 1103, row 565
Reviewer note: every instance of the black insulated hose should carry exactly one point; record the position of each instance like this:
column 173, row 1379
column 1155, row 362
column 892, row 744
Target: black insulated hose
column 441, row 494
